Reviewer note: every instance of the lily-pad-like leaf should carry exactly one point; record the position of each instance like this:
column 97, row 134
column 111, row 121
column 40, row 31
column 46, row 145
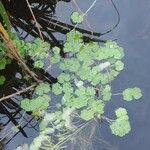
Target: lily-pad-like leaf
column 38, row 64
column 63, row 77
column 37, row 104
column 76, row 17
column 56, row 88
column 56, row 50
column 121, row 126
column 25, row 104
column 67, row 88
column 132, row 93
column 119, row 65
column 42, row 88
column 120, row 112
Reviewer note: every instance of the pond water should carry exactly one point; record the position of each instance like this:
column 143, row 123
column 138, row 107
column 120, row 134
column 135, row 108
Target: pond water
column 133, row 34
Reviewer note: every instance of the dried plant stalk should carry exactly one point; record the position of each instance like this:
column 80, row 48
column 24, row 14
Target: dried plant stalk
column 12, row 52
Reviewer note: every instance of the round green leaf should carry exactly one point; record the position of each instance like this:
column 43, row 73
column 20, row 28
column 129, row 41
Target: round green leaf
column 76, row 17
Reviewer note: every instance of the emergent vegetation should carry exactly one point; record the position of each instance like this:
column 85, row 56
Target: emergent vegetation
column 83, row 87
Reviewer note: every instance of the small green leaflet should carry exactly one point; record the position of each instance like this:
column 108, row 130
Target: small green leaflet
column 63, row 77
column 56, row 50
column 106, row 92
column 97, row 106
column 3, row 63
column 67, row 88
column 121, row 126
column 55, row 59
column 119, row 65
column 132, row 94
column 42, row 88
column 120, row 112
column 2, row 80
column 56, row 88
column 38, row 64
column 71, row 64
column 25, row 104
column 76, row 17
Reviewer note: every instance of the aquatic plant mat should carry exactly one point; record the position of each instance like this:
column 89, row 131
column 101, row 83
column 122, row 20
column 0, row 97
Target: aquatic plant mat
column 54, row 93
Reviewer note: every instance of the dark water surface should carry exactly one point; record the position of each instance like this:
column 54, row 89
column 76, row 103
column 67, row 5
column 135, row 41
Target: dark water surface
column 133, row 34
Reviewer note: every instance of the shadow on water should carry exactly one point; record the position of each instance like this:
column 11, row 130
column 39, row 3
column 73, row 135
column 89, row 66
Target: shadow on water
column 132, row 33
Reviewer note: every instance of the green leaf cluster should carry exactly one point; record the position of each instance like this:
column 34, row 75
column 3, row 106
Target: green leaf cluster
column 20, row 44
column 39, row 141
column 4, row 61
column 92, row 65
column 106, row 92
column 74, row 42
column 38, row 64
column 42, row 88
column 63, row 77
column 96, row 107
column 38, row 48
column 91, row 61
column 56, row 55
column 76, row 17
column 57, row 88
column 119, row 65
column 70, row 64
column 37, row 104
column 132, row 94
column 121, row 126
column 84, row 85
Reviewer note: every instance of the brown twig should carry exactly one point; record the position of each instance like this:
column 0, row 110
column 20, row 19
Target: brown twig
column 18, row 93
column 12, row 52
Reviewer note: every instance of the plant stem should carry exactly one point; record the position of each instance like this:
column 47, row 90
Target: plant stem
column 18, row 93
